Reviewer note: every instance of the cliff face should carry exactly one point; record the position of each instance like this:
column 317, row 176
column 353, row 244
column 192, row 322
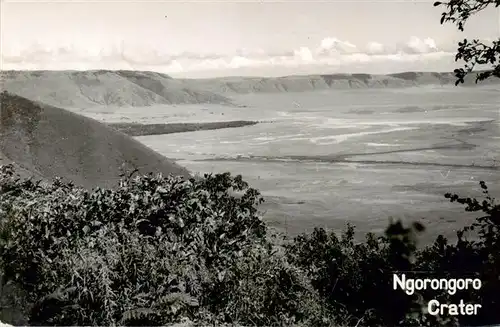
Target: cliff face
column 46, row 141
column 228, row 85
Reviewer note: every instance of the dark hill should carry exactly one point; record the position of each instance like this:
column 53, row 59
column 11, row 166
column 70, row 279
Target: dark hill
column 46, row 141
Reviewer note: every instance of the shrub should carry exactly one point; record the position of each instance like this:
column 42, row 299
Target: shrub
column 354, row 277
column 152, row 251
column 358, row 277
column 156, row 250
column 476, row 254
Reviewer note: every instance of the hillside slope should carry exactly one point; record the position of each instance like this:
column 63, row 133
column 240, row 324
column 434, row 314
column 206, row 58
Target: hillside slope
column 83, row 89
column 46, row 141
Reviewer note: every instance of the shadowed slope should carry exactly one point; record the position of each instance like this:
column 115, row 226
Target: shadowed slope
column 47, row 142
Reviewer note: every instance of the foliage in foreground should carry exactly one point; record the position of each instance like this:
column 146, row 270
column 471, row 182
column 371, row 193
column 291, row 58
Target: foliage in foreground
column 152, row 251
column 474, row 52
column 359, row 276
column 156, row 250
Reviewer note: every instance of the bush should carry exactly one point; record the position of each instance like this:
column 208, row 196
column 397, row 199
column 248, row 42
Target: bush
column 152, row 251
column 476, row 254
column 156, row 250
column 354, row 277
column 358, row 277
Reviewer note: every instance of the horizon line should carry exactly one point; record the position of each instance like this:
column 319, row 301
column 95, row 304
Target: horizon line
column 234, row 76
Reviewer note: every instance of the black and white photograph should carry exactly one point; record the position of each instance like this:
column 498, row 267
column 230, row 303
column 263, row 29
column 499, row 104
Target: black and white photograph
column 250, row 163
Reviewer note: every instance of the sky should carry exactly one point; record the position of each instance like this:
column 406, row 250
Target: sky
column 218, row 38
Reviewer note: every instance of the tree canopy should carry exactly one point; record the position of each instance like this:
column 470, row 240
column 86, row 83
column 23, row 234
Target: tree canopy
column 473, row 52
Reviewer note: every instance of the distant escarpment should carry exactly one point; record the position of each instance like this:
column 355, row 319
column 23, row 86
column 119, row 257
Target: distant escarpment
column 121, row 88
column 241, row 85
column 83, row 89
